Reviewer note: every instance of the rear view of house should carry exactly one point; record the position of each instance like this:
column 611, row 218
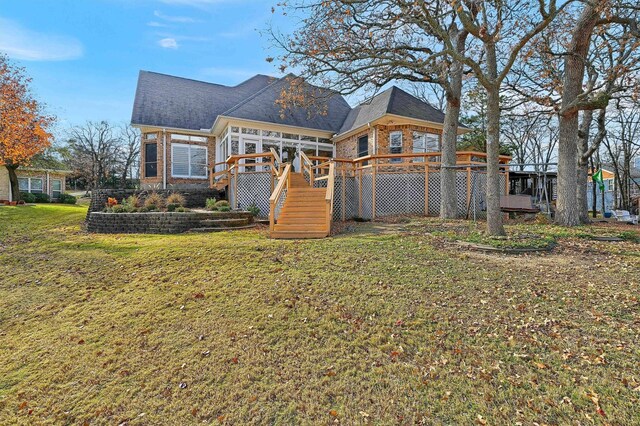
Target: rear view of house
column 197, row 134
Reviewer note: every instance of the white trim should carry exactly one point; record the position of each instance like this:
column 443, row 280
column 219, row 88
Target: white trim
column 238, row 122
column 189, row 148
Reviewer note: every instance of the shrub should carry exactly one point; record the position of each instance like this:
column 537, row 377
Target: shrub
column 111, row 202
column 119, row 208
column 182, row 209
column 224, row 209
column 176, row 198
column 27, row 197
column 134, row 201
column 67, row 199
column 41, row 197
column 154, row 201
column 172, row 207
column 222, row 203
column 253, row 209
column 211, row 204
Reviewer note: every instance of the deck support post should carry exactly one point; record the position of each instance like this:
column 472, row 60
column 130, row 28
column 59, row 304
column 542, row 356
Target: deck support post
column 426, row 187
column 374, row 167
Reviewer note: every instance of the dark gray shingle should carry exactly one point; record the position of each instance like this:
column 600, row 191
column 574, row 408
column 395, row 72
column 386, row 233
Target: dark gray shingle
column 391, row 101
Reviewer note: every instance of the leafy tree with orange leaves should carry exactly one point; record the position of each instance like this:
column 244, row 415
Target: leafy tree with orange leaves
column 24, row 127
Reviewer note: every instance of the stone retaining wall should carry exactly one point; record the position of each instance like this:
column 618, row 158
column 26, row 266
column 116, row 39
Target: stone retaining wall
column 152, row 222
column 196, row 197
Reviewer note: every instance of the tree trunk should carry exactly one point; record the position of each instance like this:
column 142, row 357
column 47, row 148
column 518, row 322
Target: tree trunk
column 13, row 181
column 567, row 213
column 594, row 192
column 448, row 193
column 494, row 187
column 583, row 167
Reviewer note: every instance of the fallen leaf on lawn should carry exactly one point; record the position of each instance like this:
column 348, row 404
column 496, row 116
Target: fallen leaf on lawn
column 23, row 405
column 540, row 365
column 333, row 413
column 480, row 420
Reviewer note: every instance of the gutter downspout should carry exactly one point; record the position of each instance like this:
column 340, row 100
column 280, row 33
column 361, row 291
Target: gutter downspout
column 164, row 158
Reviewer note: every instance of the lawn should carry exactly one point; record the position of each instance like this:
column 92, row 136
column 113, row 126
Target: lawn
column 378, row 325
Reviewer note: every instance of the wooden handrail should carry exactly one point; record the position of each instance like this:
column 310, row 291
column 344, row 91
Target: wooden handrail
column 328, row 198
column 238, row 157
column 276, row 157
column 307, row 165
column 273, row 200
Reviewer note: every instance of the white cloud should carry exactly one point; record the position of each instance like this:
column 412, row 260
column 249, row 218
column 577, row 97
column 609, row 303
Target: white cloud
column 170, row 18
column 156, row 24
column 22, row 43
column 168, row 43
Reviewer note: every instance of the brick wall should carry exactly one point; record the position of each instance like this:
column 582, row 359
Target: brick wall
column 156, row 183
column 348, row 148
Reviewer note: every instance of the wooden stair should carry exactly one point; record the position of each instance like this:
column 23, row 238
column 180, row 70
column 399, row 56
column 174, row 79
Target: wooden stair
column 304, row 212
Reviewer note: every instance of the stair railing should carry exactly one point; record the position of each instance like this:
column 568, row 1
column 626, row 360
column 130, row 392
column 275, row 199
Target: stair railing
column 307, row 167
column 279, row 195
column 329, row 196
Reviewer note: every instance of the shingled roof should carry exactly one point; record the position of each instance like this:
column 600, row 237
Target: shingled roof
column 391, row 101
column 174, row 102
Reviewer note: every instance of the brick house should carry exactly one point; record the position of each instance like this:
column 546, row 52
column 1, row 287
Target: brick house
column 301, row 168
column 34, row 180
column 192, row 126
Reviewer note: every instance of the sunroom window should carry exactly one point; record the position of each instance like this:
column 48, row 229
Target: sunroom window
column 188, row 161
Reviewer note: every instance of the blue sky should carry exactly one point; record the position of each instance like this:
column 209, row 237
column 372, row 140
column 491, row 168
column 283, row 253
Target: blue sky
column 84, row 55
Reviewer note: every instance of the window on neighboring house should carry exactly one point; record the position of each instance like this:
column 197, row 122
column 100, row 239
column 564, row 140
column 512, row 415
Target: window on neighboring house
column 188, row 161
column 150, row 160
column 56, row 188
column 425, row 142
column 36, row 185
column 395, row 145
column 23, row 184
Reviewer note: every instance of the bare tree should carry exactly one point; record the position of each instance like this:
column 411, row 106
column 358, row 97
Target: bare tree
column 102, row 153
column 622, row 145
column 350, row 45
column 128, row 151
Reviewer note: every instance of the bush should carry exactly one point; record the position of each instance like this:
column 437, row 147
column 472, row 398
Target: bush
column 182, row 209
column 223, row 203
column 154, row 201
column 119, row 208
column 41, row 197
column 211, row 204
column 27, row 197
column 172, row 207
column 67, row 199
column 224, row 209
column 133, row 200
column 176, row 198
column 253, row 209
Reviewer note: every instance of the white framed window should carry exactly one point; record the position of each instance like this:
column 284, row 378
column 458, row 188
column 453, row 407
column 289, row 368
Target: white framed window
column 56, row 188
column 395, row 145
column 151, row 136
column 188, row 161
column 35, row 185
column 23, row 184
column 425, row 142
column 188, row 138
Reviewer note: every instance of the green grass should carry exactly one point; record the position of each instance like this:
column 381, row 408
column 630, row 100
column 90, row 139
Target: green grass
column 368, row 327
